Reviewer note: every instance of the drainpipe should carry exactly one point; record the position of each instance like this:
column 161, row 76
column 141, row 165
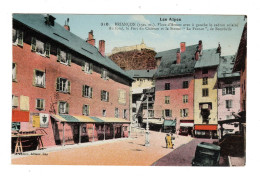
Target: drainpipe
column 104, row 131
column 63, row 138
column 79, row 133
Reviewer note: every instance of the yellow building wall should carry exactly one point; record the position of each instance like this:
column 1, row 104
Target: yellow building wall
column 213, row 96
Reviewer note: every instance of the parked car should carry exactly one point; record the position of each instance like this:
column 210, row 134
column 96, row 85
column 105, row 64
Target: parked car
column 206, row 155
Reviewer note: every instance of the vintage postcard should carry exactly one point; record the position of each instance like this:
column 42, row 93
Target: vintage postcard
column 129, row 90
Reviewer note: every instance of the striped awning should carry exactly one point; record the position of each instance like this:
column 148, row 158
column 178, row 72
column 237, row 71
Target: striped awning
column 113, row 120
column 87, row 119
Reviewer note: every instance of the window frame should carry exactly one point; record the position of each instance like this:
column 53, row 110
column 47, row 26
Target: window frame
column 116, row 113
column 14, row 106
column 58, row 85
column 229, row 90
column 104, row 96
column 66, row 109
column 167, row 86
column 87, row 91
column 42, row 102
column 229, row 104
column 207, row 92
column 167, row 99
column 205, row 81
column 125, row 113
column 185, row 84
column 167, row 113
column 104, row 74
column 35, row 78
column 85, row 110
column 68, row 57
column 184, row 112
column 90, row 67
column 15, row 70
column 104, row 112
column 185, row 98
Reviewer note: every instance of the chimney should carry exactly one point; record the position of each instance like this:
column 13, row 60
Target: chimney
column 219, row 49
column 200, row 47
column 101, row 47
column 49, row 20
column 91, row 39
column 197, row 55
column 178, row 57
column 183, row 47
column 66, row 25
column 158, row 62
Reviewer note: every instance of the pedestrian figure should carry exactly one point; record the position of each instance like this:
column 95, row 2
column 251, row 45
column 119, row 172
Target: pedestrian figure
column 172, row 139
column 169, row 141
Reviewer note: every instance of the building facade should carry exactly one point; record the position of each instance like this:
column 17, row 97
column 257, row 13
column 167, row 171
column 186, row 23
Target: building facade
column 175, row 86
column 69, row 91
column 228, row 95
column 206, row 92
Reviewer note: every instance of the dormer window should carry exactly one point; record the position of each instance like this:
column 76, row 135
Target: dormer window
column 104, row 74
column 87, row 67
column 17, row 37
column 63, row 57
column 40, row 48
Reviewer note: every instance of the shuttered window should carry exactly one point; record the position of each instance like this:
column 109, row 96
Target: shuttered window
column 15, row 102
column 167, row 100
column 85, row 110
column 168, row 113
column 63, row 107
column 228, row 90
column 87, row 91
column 63, row 57
column 184, row 112
column 104, row 95
column 63, row 85
column 40, row 104
column 116, row 112
column 87, row 67
column 39, row 78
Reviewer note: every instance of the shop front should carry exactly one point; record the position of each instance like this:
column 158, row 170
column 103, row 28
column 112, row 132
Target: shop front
column 169, row 126
column 186, row 127
column 206, row 131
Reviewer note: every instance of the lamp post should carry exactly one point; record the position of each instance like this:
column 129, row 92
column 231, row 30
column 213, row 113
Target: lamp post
column 147, row 140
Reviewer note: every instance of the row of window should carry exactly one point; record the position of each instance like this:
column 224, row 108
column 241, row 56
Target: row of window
column 168, row 112
column 185, row 85
column 63, row 85
column 44, row 49
column 63, row 107
column 184, row 99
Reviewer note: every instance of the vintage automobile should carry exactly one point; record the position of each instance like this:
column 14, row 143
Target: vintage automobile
column 206, row 155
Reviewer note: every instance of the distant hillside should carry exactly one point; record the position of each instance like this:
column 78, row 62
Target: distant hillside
column 135, row 60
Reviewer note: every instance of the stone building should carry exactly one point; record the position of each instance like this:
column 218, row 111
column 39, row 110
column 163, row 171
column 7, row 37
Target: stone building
column 63, row 86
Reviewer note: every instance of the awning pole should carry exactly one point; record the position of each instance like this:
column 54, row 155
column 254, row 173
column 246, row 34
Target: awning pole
column 104, row 131
column 113, row 131
column 63, row 138
column 79, row 132
column 93, row 132
column 121, row 130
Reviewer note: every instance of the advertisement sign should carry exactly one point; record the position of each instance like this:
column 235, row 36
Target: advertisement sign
column 44, row 120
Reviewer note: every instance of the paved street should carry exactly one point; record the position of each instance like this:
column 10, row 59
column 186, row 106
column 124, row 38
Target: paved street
column 128, row 151
column 183, row 155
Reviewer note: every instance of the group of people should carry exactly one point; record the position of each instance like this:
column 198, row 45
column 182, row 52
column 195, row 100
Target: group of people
column 169, row 140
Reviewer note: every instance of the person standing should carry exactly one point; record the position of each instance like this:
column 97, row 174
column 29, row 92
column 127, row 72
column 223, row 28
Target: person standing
column 169, row 141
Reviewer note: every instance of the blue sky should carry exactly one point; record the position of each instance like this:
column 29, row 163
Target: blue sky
column 158, row 39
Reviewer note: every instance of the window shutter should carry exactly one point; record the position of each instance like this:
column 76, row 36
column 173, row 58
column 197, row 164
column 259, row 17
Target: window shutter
column 69, row 58
column 187, row 110
column 83, row 66
column 44, row 79
column 101, row 95
column 67, row 108
column 83, row 110
column 233, row 90
column 224, row 91
column 230, row 103
column 57, row 84
column 58, row 107
column 90, row 88
column 107, row 96
column 162, row 113
column 34, row 77
column 91, row 67
column 47, row 48
column 83, row 91
column 58, row 54
column 170, row 113
column 68, row 86
column 180, row 112
column 20, row 38
column 87, row 110
column 33, row 44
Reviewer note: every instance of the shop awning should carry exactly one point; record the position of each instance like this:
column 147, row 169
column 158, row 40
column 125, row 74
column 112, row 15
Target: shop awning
column 186, row 124
column 154, row 121
column 88, row 119
column 206, row 127
column 113, row 120
column 169, row 123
